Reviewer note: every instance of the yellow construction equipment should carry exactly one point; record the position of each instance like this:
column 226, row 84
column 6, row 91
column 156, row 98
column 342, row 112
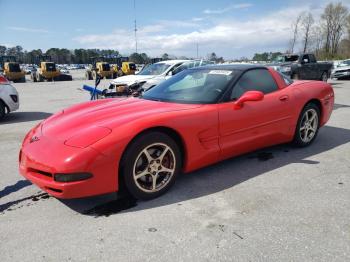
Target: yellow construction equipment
column 48, row 71
column 11, row 69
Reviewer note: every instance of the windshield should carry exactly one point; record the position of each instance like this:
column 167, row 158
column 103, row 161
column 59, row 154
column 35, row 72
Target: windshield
column 197, row 86
column 14, row 67
column 154, row 69
column 50, row 67
column 286, row 58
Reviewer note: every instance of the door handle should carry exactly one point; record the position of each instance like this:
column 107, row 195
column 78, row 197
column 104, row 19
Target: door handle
column 284, row 98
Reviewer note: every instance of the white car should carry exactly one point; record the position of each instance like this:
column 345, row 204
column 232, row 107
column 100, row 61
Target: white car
column 150, row 75
column 342, row 70
column 9, row 99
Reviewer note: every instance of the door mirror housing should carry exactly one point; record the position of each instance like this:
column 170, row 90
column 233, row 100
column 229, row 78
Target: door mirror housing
column 248, row 96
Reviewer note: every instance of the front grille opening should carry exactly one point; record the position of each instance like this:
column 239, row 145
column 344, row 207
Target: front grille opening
column 54, row 189
column 39, row 172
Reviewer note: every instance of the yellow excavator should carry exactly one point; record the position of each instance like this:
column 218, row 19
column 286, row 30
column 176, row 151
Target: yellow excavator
column 48, row 71
column 11, row 69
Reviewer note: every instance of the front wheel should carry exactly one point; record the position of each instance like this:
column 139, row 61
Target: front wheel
column 150, row 165
column 307, row 126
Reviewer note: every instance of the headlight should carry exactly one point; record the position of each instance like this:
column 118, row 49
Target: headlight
column 88, row 136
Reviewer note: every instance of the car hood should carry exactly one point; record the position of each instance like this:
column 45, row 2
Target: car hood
column 108, row 113
column 131, row 79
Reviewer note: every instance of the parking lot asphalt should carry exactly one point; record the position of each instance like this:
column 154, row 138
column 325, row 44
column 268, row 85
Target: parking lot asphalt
column 277, row 204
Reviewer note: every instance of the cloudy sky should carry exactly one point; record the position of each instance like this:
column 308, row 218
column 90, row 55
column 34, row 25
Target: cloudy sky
column 231, row 29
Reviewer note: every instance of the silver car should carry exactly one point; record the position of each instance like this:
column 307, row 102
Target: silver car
column 342, row 71
column 9, row 99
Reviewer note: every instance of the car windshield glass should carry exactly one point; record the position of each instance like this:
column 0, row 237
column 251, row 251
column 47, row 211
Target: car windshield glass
column 195, row 86
column 154, row 69
column 286, row 58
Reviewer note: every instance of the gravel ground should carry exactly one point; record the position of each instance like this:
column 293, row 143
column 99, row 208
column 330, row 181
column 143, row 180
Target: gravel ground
column 277, row 204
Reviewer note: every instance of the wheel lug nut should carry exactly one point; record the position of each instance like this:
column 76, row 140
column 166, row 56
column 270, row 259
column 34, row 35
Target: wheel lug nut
column 159, row 168
column 154, row 172
column 158, row 161
column 149, row 169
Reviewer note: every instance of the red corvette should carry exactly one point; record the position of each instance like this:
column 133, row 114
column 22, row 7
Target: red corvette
column 196, row 118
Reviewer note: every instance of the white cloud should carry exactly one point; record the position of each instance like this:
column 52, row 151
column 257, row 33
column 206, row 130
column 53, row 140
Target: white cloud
column 227, row 37
column 29, row 30
column 227, row 9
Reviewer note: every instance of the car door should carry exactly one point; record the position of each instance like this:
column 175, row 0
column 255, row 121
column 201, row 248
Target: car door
column 257, row 123
column 306, row 71
column 314, row 68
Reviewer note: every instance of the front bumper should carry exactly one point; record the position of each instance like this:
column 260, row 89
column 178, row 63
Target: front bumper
column 41, row 159
column 341, row 74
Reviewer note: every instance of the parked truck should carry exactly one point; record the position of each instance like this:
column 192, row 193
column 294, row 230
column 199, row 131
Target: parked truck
column 302, row 66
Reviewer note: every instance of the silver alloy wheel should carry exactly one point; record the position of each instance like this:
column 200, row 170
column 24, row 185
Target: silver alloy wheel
column 308, row 125
column 154, row 167
column 324, row 77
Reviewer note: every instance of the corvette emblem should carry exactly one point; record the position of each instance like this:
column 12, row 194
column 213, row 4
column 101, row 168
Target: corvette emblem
column 34, row 139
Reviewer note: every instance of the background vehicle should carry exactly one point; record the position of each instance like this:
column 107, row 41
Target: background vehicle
column 11, row 69
column 302, row 66
column 9, row 100
column 99, row 67
column 342, row 71
column 196, row 118
column 153, row 74
column 48, row 71
column 110, row 67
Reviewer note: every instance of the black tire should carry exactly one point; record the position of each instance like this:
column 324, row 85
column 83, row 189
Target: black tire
column 39, row 78
column 133, row 155
column 299, row 136
column 33, row 77
column 2, row 110
column 324, row 77
column 93, row 75
column 88, row 75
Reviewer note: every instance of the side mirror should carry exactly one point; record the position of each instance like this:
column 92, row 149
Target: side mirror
column 306, row 61
column 248, row 96
column 170, row 73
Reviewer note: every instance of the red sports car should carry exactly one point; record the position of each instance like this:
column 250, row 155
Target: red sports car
column 196, row 118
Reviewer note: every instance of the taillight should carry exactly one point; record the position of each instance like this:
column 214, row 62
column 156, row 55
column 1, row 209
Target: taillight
column 3, row 80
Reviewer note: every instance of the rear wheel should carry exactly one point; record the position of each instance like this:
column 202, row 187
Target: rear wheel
column 88, row 75
column 324, row 77
column 308, row 125
column 150, row 165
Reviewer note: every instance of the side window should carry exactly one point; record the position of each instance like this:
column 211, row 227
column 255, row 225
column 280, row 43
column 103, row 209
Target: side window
column 254, row 80
column 174, row 69
column 306, row 59
column 312, row 58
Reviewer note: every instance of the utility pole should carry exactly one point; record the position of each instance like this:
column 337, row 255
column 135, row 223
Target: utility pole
column 135, row 29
